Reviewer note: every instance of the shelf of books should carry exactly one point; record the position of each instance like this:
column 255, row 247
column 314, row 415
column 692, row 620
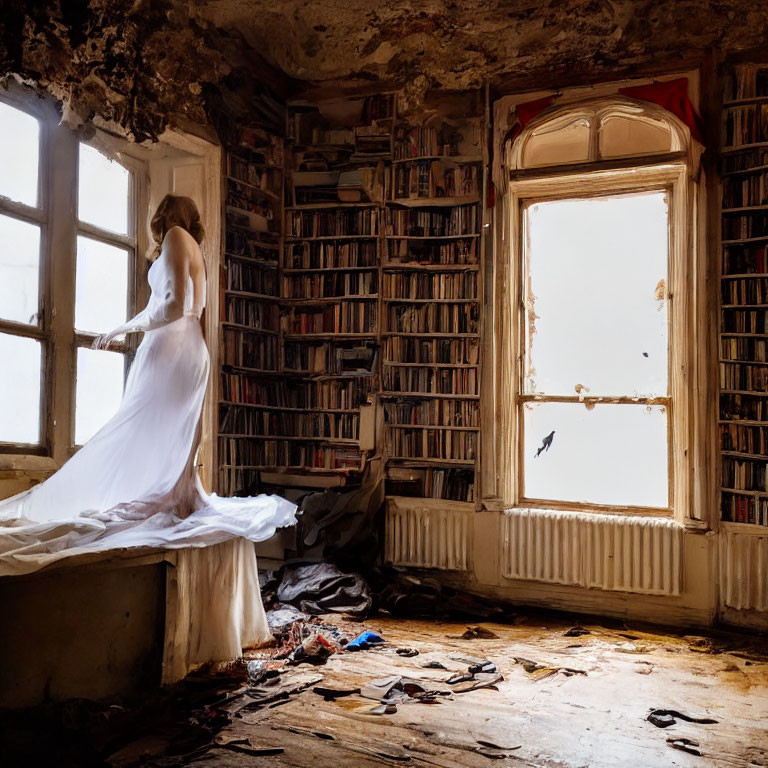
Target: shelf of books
column 249, row 349
column 330, row 275
column 355, row 281
column 744, row 298
column 431, row 287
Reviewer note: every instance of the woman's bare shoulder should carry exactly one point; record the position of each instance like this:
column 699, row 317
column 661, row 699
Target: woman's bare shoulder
column 177, row 234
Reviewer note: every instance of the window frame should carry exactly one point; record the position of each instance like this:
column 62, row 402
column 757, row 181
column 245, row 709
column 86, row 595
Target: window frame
column 694, row 303
column 656, row 177
column 57, row 217
column 40, row 216
column 128, row 242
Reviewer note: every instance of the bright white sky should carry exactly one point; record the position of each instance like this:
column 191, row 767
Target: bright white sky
column 595, row 268
column 101, row 283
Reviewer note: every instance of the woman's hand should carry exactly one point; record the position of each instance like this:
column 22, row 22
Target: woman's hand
column 103, row 341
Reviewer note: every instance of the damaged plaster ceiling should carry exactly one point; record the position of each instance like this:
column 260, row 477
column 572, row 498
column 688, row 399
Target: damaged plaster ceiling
column 143, row 64
column 459, row 44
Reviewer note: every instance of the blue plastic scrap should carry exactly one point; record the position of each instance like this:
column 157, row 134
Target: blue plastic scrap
column 364, row 641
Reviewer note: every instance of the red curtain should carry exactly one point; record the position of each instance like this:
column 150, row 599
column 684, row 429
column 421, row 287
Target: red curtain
column 673, row 96
column 525, row 112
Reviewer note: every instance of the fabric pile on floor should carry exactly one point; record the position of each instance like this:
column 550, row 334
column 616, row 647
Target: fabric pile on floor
column 316, row 589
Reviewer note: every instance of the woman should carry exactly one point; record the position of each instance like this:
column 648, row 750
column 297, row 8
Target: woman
column 134, row 483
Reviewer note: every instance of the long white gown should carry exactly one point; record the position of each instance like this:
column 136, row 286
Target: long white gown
column 134, row 483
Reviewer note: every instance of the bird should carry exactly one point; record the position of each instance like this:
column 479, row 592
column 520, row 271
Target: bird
column 545, row 443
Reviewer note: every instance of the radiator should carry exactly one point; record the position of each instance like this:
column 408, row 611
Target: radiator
column 612, row 552
column 431, row 535
column 744, row 570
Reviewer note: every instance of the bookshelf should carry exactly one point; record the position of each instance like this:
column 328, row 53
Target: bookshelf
column 743, row 340
column 250, row 312
column 330, row 276
column 352, row 316
column 431, row 298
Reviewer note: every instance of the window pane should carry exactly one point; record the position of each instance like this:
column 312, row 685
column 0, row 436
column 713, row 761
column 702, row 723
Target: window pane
column 621, row 136
column 597, row 301
column 103, row 186
column 19, row 389
column 100, row 377
column 19, row 270
column 19, row 150
column 606, row 454
column 101, row 292
column 553, row 146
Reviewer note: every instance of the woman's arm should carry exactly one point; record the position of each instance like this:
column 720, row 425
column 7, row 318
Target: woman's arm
column 171, row 306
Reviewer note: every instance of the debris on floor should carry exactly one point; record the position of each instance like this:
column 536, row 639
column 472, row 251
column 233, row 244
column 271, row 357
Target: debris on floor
column 397, row 689
column 663, row 718
column 540, row 671
column 319, row 588
column 576, row 632
column 475, row 632
column 457, row 704
column 331, row 694
column 364, row 641
column 403, row 593
column 685, row 745
column 632, row 648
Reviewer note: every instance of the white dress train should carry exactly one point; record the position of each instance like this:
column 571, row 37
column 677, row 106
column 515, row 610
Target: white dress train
column 134, row 483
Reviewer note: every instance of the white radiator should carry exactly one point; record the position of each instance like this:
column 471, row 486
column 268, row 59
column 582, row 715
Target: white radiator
column 744, row 570
column 628, row 554
column 427, row 534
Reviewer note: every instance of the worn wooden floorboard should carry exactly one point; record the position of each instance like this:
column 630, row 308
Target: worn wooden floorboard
column 595, row 720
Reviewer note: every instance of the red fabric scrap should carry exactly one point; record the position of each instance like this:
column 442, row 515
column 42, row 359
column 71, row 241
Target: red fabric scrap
column 525, row 112
column 673, row 96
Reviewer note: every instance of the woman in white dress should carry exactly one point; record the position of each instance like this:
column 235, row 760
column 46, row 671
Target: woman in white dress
column 134, row 483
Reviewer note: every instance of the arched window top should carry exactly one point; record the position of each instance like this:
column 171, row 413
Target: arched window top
column 596, row 131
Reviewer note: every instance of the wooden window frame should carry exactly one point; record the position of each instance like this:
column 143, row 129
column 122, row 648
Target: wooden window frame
column 670, row 178
column 40, row 216
column 127, row 242
column 56, row 215
column 694, row 304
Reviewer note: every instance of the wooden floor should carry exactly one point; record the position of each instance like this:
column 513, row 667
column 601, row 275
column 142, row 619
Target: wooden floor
column 542, row 718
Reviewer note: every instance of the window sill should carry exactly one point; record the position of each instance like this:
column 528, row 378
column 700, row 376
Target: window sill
column 15, row 462
column 588, row 513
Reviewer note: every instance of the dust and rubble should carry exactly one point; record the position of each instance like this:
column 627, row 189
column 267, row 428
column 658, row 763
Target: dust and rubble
column 334, row 689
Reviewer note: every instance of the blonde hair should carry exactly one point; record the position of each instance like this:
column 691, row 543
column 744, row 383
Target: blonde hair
column 175, row 211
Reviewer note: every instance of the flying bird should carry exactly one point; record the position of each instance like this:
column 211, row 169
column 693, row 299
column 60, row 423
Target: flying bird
column 545, row 443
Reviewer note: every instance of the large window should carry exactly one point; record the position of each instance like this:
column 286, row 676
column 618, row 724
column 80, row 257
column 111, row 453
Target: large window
column 595, row 408
column 104, row 270
column 22, row 331
column 67, row 264
column 594, row 400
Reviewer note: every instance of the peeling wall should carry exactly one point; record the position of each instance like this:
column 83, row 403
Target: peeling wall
column 139, row 65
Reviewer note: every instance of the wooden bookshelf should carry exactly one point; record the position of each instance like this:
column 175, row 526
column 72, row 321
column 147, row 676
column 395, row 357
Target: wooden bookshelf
column 431, row 289
column 365, row 290
column 330, row 279
column 250, row 296
column 743, row 338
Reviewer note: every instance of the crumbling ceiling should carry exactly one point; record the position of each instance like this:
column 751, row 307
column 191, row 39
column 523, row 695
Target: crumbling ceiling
column 143, row 63
column 462, row 43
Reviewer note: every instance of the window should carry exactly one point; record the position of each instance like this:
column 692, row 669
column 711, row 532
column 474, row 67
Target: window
column 596, row 351
column 67, row 266
column 104, row 268
column 22, row 332
column 596, row 321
